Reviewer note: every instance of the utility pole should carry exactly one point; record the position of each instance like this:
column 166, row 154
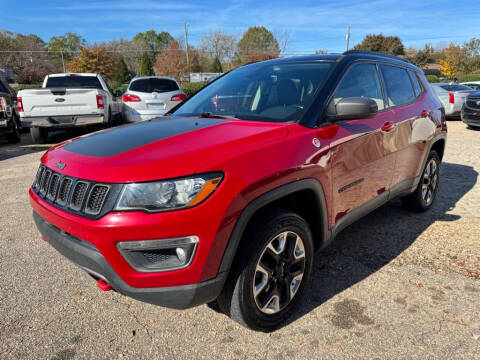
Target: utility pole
column 63, row 62
column 348, row 37
column 186, row 48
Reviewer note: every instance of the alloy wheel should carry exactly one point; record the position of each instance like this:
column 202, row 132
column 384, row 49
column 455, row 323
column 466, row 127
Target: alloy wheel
column 279, row 272
column 430, row 181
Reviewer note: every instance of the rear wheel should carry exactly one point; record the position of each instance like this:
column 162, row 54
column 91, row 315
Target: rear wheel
column 13, row 135
column 39, row 135
column 109, row 118
column 271, row 272
column 424, row 195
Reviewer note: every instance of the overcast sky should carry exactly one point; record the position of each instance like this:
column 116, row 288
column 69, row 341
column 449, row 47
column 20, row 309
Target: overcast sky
column 311, row 25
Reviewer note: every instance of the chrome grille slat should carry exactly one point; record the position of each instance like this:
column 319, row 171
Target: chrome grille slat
column 45, row 181
column 38, row 177
column 78, row 195
column 64, row 191
column 53, row 186
column 96, row 199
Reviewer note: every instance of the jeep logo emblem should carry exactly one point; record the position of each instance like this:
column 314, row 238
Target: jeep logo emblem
column 59, row 99
column 60, row 165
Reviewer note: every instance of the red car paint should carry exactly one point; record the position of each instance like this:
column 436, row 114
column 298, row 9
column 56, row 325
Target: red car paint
column 255, row 157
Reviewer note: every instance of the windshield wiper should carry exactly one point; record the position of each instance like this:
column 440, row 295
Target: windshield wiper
column 216, row 116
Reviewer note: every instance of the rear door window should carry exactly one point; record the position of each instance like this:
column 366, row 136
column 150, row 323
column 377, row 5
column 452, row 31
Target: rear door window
column 416, row 84
column 398, row 85
column 151, row 85
column 360, row 81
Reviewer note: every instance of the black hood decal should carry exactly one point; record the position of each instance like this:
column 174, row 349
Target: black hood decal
column 128, row 137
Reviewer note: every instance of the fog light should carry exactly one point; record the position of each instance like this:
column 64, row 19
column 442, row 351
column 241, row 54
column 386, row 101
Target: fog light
column 182, row 256
column 159, row 255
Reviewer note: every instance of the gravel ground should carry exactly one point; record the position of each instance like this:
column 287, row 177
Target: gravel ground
column 394, row 285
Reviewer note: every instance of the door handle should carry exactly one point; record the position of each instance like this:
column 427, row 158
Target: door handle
column 425, row 113
column 388, row 126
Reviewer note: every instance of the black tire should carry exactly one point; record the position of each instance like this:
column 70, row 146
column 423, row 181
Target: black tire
column 110, row 118
column 267, row 311
column 39, row 135
column 424, row 195
column 13, row 135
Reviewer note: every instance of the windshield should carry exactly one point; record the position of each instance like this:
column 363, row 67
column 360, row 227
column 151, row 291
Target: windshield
column 150, row 85
column 266, row 91
column 73, row 82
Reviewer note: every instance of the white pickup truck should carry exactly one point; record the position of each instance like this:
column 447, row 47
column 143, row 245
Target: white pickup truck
column 67, row 100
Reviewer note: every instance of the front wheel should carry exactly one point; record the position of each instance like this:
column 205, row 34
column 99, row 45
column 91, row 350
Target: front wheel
column 424, row 195
column 271, row 272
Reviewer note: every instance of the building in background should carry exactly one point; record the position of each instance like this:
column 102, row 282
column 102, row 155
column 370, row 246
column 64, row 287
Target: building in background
column 202, row 77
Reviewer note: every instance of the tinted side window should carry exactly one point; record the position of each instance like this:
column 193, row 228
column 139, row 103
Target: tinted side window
column 150, row 85
column 360, row 81
column 3, row 89
column 398, row 85
column 416, row 84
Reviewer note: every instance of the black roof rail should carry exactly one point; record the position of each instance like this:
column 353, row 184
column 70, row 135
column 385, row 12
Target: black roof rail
column 378, row 53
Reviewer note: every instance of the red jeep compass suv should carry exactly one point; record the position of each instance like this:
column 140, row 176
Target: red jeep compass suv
column 228, row 198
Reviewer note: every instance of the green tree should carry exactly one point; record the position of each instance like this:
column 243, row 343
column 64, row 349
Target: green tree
column 124, row 75
column 155, row 42
column 67, row 44
column 471, row 61
column 216, row 66
column 423, row 56
column 256, row 43
column 145, row 65
column 379, row 42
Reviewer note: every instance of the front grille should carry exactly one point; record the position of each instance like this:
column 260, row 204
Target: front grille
column 74, row 195
column 472, row 103
column 78, row 195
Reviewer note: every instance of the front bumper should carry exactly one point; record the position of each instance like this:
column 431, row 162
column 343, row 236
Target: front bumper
column 88, row 257
column 471, row 117
column 62, row 121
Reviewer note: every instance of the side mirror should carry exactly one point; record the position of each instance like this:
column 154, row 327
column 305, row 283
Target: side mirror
column 354, row 108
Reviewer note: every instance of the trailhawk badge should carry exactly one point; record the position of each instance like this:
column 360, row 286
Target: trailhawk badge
column 60, row 165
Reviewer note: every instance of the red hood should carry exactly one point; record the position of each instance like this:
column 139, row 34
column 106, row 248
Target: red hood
column 158, row 149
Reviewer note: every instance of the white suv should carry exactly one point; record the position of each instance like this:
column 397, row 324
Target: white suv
column 148, row 97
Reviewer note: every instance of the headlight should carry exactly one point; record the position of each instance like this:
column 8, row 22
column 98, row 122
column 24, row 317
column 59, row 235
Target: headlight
column 168, row 194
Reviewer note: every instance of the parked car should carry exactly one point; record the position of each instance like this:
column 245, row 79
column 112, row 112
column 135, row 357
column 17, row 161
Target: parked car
column 229, row 203
column 10, row 125
column 475, row 85
column 148, row 97
column 471, row 110
column 65, row 101
column 452, row 96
